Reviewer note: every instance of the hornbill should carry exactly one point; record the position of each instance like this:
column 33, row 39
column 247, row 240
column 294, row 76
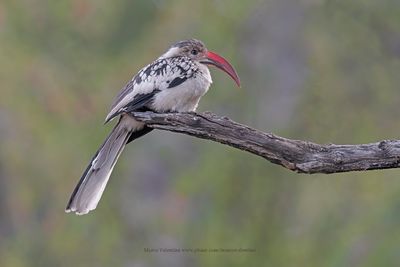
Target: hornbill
column 174, row 82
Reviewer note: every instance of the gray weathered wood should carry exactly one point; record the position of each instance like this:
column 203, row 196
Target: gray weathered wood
column 295, row 155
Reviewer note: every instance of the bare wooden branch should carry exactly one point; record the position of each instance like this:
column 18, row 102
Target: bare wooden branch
column 295, row 155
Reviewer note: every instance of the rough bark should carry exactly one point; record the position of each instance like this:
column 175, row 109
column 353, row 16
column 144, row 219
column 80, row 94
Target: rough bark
column 296, row 155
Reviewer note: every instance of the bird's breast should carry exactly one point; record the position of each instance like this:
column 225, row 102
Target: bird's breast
column 184, row 97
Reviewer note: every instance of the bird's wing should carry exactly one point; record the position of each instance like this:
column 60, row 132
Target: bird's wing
column 164, row 73
column 129, row 100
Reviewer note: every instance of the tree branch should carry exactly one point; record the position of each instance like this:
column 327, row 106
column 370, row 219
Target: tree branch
column 296, row 155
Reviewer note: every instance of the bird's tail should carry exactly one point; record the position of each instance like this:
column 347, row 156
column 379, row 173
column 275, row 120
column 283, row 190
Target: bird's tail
column 90, row 187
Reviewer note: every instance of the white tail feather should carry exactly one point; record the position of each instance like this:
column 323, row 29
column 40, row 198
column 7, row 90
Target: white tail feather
column 90, row 188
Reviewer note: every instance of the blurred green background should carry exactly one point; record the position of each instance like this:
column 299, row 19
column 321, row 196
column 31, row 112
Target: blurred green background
column 324, row 71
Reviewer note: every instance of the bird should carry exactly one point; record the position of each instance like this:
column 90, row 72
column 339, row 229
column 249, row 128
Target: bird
column 174, row 82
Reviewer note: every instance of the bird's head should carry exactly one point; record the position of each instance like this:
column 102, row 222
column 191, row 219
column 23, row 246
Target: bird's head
column 197, row 51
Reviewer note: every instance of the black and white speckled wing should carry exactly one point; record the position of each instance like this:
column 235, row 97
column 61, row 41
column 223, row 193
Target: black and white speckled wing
column 162, row 74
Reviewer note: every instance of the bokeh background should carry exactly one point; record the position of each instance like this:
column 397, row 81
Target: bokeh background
column 324, row 71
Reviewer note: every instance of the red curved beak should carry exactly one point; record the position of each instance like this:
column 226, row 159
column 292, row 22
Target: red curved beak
column 221, row 63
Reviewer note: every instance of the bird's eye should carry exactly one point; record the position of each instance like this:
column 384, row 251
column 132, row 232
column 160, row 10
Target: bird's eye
column 194, row 52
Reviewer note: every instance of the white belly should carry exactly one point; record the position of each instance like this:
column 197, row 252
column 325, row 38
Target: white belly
column 184, row 97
